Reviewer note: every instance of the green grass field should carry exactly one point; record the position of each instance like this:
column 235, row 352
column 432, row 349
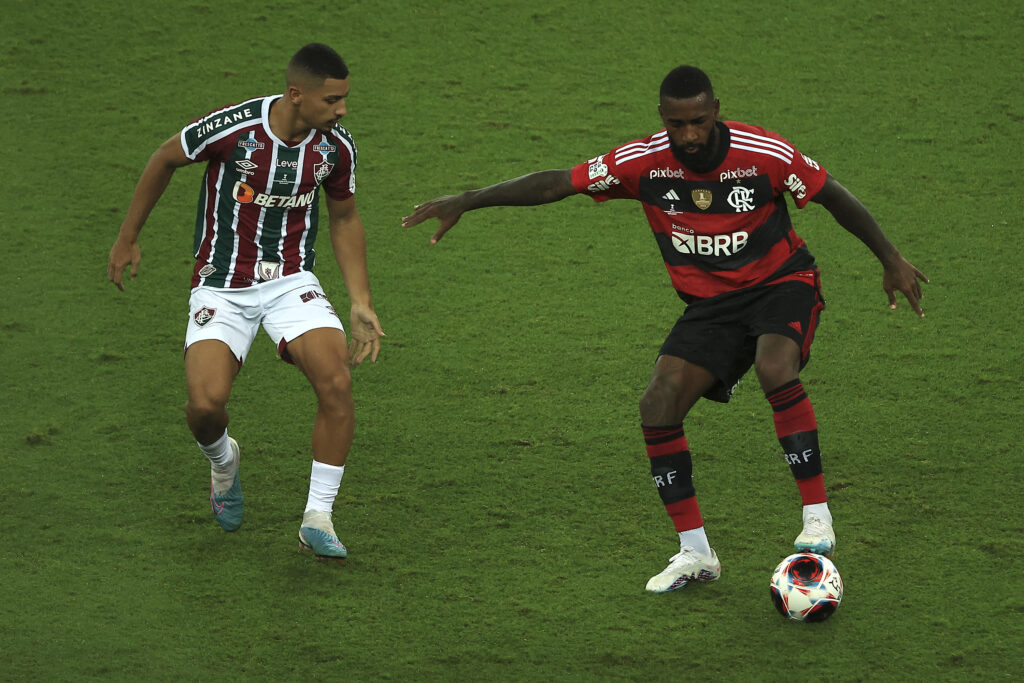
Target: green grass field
column 498, row 506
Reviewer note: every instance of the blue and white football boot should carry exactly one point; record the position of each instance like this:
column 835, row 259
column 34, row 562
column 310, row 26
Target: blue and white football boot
column 226, row 501
column 317, row 534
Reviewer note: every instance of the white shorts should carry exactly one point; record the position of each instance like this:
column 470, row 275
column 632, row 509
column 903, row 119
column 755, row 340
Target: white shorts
column 286, row 307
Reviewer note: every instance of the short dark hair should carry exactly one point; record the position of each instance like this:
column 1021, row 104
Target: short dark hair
column 319, row 60
column 686, row 81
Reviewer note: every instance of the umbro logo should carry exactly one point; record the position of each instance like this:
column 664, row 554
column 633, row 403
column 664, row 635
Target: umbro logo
column 671, row 196
column 245, row 167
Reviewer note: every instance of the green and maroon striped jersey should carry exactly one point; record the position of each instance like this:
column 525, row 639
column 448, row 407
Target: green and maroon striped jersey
column 259, row 199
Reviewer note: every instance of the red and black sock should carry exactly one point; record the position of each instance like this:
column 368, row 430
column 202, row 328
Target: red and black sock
column 797, row 430
column 672, row 470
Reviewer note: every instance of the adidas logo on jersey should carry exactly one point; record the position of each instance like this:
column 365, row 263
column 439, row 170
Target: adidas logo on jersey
column 671, row 196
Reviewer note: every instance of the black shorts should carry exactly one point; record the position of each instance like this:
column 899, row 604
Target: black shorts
column 720, row 334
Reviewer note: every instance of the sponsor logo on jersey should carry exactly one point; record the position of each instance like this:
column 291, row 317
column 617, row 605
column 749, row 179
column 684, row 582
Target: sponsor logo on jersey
column 687, row 242
column 288, row 163
column 244, row 194
column 737, row 173
column 597, row 168
column 701, row 197
column 603, row 185
column 741, row 198
column 204, row 315
column 250, row 143
column 665, row 173
column 207, row 270
column 811, row 162
column 212, row 123
column 796, row 186
column 324, row 148
column 671, row 196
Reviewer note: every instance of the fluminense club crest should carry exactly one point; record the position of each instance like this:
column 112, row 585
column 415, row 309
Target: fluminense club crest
column 322, row 170
column 204, row 315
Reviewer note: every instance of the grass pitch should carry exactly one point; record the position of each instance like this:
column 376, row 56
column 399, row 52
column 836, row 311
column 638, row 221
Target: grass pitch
column 497, row 502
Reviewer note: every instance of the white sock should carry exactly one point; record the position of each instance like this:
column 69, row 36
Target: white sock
column 819, row 509
column 324, row 481
column 219, row 452
column 696, row 539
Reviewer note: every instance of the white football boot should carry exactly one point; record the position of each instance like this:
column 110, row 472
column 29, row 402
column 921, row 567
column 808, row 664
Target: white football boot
column 685, row 566
column 818, row 537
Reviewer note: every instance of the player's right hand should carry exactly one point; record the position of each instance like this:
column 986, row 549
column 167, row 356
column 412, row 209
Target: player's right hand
column 121, row 255
column 446, row 209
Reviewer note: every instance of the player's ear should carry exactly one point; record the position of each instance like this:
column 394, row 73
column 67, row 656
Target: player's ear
column 294, row 94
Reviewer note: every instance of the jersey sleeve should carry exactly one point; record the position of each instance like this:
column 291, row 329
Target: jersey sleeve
column 210, row 136
column 198, row 147
column 603, row 178
column 802, row 176
column 340, row 184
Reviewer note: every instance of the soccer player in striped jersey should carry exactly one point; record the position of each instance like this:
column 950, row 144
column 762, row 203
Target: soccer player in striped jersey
column 256, row 226
column 714, row 195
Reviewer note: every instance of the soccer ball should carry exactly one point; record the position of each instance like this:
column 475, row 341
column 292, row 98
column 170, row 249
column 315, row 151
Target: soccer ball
column 806, row 587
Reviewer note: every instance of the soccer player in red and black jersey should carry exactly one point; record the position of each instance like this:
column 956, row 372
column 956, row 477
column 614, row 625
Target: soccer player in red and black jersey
column 256, row 224
column 714, row 195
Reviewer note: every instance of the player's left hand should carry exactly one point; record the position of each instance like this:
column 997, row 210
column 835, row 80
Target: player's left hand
column 123, row 254
column 364, row 337
column 903, row 276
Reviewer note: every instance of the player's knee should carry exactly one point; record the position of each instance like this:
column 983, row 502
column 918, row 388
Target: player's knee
column 335, row 390
column 202, row 409
column 774, row 372
column 659, row 404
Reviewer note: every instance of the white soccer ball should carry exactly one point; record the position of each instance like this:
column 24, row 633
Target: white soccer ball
column 806, row 587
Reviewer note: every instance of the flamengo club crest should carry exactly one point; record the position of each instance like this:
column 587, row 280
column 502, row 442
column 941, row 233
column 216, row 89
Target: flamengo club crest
column 702, row 198
column 204, row 315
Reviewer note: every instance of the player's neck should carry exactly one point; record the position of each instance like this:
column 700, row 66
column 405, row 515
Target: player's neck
column 285, row 123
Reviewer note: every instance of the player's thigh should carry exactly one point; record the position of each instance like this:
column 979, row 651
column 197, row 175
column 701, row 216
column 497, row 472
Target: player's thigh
column 675, row 386
column 713, row 344
column 296, row 305
column 210, row 369
column 776, row 361
column 784, row 324
column 322, row 355
column 231, row 317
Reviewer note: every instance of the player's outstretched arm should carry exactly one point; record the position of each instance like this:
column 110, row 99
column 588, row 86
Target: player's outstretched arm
column 348, row 238
column 542, row 187
column 850, row 213
column 154, row 180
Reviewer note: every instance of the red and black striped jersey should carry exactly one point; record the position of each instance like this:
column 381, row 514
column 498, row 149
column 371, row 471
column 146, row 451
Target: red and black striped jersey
column 259, row 198
column 720, row 231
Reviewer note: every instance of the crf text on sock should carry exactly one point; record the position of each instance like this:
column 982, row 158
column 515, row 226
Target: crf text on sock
column 666, row 480
column 797, row 458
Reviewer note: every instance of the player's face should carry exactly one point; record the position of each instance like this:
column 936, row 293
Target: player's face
column 690, row 124
column 323, row 106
